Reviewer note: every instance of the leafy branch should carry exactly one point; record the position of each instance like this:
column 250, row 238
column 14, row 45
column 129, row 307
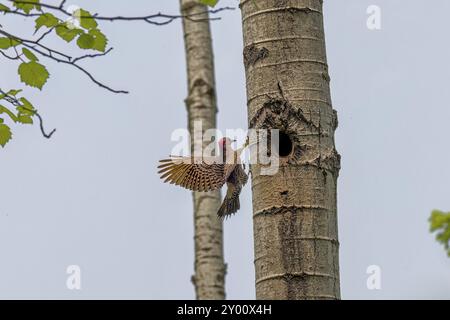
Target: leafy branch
column 440, row 223
column 24, row 113
column 72, row 26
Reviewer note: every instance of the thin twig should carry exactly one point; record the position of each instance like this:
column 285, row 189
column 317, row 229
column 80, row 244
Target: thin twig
column 41, row 125
column 93, row 55
column 151, row 18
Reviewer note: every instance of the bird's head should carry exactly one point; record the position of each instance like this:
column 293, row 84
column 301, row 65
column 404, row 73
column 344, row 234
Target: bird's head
column 225, row 143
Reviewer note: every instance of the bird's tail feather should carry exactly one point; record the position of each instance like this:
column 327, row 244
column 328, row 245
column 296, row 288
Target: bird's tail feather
column 229, row 206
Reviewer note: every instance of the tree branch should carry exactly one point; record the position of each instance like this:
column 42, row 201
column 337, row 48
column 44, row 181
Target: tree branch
column 60, row 57
column 12, row 100
column 151, row 18
column 51, row 54
column 38, row 47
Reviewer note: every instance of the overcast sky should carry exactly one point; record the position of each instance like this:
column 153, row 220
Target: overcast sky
column 91, row 197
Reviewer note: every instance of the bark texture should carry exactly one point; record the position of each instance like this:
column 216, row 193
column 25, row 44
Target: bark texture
column 294, row 211
column 209, row 277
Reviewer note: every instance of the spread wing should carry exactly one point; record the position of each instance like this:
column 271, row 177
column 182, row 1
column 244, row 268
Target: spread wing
column 193, row 174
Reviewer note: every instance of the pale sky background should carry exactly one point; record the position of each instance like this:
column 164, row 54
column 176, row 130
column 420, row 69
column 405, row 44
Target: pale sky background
column 91, row 197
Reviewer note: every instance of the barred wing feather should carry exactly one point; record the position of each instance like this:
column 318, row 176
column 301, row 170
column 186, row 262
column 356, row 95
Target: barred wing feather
column 192, row 173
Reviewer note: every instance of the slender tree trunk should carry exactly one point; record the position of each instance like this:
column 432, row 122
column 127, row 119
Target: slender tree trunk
column 209, row 278
column 294, row 211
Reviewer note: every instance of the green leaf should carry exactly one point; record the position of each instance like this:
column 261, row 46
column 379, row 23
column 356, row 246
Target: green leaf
column 27, row 107
column 440, row 222
column 14, row 92
column 48, row 20
column 25, row 111
column 66, row 33
column 86, row 41
column 3, row 109
column 100, row 40
column 6, row 43
column 33, row 74
column 4, row 8
column 210, row 3
column 28, row 6
column 30, row 55
column 5, row 134
column 86, row 20
column 25, row 119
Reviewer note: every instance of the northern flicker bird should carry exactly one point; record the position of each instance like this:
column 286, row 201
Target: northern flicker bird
column 208, row 174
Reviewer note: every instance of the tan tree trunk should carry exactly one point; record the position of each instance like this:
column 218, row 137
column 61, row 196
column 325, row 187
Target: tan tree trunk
column 294, row 211
column 209, row 277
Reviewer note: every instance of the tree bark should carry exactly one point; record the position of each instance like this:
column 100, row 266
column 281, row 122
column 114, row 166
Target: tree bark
column 294, row 211
column 209, row 277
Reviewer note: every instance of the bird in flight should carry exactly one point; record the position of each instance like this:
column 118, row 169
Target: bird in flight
column 209, row 173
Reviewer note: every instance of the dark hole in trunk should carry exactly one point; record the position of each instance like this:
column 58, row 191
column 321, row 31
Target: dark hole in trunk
column 285, row 145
